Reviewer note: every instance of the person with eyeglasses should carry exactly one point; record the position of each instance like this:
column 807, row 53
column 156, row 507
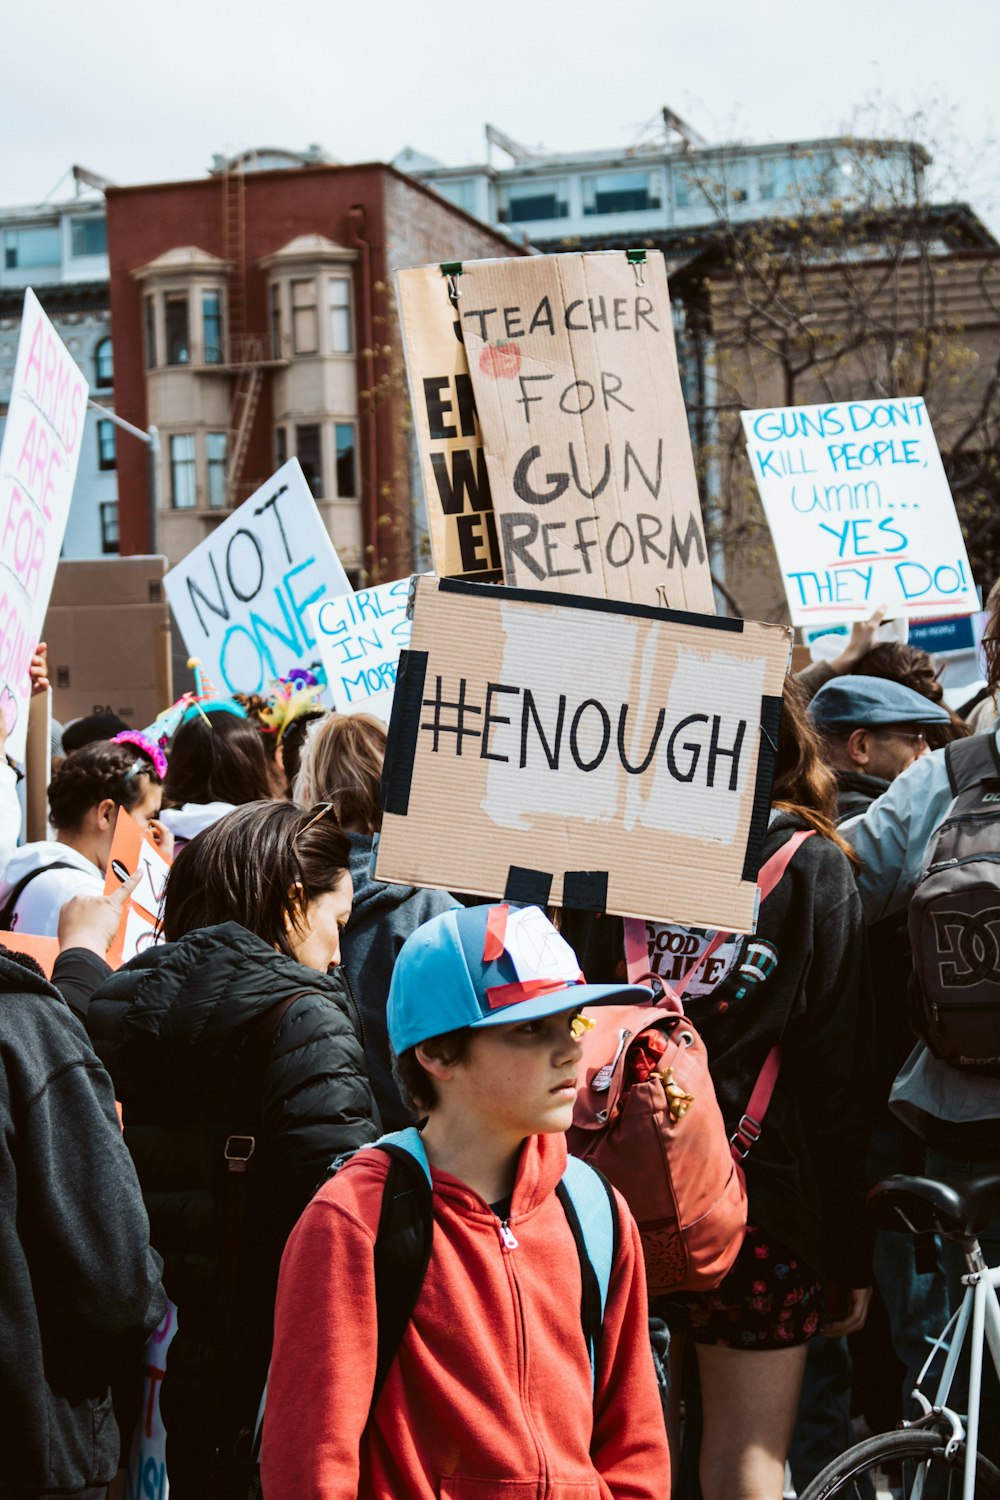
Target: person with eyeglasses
column 84, row 797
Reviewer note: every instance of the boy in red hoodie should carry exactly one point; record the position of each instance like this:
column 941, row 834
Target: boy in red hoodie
column 492, row 1390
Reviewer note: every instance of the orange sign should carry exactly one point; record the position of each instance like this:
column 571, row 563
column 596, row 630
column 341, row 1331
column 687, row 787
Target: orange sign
column 132, row 848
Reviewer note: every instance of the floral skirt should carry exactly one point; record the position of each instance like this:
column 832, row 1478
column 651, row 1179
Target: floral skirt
column 768, row 1300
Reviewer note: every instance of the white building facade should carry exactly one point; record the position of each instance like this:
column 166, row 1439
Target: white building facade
column 60, row 251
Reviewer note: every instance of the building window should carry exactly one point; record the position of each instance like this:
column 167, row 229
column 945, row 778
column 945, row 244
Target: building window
column 104, row 370
column 305, row 324
column 211, row 322
column 280, row 447
column 461, row 192
column 767, row 177
column 109, row 526
column 308, row 449
column 150, row 333
column 105, row 444
column 25, row 248
column 523, row 202
column 178, row 333
column 341, row 339
column 88, row 237
column 183, row 485
column 274, row 320
column 347, row 471
column 215, row 448
column 619, row 193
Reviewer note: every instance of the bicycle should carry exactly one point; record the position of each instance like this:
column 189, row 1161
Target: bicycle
column 940, row 1448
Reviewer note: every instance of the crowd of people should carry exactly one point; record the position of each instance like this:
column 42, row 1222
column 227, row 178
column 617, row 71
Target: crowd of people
column 462, row 1311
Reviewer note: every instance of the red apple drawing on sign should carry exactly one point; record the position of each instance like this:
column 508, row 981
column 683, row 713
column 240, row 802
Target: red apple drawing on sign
column 501, row 361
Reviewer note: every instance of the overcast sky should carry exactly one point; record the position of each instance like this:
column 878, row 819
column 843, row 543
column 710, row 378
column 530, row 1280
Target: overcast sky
column 146, row 92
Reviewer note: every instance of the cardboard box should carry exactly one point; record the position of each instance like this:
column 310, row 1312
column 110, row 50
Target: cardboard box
column 579, row 752
column 108, row 634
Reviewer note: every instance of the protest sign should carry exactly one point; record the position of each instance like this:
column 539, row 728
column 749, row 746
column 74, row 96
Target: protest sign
column 241, row 597
column 146, row 1475
column 132, row 848
column 44, row 950
column 360, row 637
column 575, row 374
column 582, row 753
column 38, row 463
column 456, row 483
column 860, row 511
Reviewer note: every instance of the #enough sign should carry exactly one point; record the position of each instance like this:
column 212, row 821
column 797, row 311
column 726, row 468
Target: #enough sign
column 574, row 751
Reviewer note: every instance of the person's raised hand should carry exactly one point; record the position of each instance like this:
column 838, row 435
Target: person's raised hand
column 92, row 921
column 38, row 669
column 859, row 642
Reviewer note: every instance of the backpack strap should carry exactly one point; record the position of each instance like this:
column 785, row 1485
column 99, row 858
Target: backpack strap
column 971, row 761
column 588, row 1202
column 747, row 1132
column 8, row 908
column 402, row 1244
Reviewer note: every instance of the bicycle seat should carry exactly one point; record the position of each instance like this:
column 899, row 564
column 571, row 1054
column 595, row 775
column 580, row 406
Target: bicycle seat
column 959, row 1208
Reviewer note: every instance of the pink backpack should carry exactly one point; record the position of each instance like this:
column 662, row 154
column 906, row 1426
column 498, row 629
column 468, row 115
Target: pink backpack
column 662, row 1142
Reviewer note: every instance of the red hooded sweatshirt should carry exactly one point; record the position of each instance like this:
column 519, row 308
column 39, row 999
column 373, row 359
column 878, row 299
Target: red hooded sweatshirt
column 490, row 1392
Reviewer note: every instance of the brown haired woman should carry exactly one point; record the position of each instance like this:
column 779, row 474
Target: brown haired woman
column 84, row 797
column 254, row 911
column 342, row 764
column 804, row 1267
column 217, row 762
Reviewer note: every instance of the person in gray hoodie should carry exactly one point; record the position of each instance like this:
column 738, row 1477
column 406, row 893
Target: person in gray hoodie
column 341, row 764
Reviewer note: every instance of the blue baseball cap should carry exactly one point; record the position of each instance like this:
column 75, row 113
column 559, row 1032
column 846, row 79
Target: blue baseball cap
column 486, row 966
column 869, row 702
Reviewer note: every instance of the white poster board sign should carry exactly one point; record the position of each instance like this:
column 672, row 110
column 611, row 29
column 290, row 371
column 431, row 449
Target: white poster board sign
column 860, row 511
column 360, row 637
column 38, row 463
column 241, row 599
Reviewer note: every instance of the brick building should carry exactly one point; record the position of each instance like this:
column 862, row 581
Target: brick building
column 254, row 318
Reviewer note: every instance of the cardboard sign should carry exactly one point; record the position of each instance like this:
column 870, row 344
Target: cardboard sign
column 575, row 372
column 452, row 464
column 360, row 637
column 38, row 463
column 133, row 849
column 860, row 511
column 582, row 753
column 44, row 950
column 242, row 597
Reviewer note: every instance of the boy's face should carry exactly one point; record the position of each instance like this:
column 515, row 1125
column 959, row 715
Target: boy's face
column 520, row 1078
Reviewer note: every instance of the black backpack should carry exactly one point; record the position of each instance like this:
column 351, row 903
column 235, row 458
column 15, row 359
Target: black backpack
column 954, row 917
column 403, row 1250
column 8, row 921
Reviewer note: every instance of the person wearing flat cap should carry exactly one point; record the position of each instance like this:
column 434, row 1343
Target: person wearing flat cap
column 872, row 729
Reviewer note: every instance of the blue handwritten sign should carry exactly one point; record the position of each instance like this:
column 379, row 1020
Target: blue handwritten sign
column 360, row 637
column 860, row 511
column 242, row 597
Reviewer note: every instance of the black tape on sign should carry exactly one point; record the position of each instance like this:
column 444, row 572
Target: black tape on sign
column 586, row 890
column 404, row 726
column 527, row 887
column 770, row 728
column 589, row 602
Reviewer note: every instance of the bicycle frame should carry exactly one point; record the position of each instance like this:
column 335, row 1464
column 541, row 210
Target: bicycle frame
column 980, row 1311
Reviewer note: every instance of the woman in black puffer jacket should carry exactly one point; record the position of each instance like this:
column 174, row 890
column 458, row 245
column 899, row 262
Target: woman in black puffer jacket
column 253, row 914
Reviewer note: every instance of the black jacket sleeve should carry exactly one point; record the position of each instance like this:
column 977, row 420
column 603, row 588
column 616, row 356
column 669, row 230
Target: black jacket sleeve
column 827, row 1052
column 77, row 974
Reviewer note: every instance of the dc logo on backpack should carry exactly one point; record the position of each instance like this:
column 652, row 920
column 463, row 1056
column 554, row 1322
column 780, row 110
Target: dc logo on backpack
column 971, row 941
column 954, row 917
